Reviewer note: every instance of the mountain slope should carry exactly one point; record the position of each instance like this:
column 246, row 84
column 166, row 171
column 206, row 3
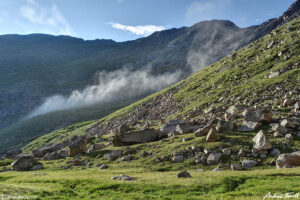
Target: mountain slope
column 36, row 66
column 59, row 65
column 243, row 78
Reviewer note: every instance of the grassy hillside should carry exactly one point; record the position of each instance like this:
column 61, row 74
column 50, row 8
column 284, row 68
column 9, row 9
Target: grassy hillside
column 241, row 78
column 95, row 184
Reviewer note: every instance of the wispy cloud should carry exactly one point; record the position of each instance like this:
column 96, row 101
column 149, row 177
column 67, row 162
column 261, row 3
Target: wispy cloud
column 206, row 10
column 112, row 86
column 138, row 30
column 120, row 1
column 46, row 18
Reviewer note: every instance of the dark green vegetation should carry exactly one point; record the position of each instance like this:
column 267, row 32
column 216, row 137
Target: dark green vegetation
column 34, row 67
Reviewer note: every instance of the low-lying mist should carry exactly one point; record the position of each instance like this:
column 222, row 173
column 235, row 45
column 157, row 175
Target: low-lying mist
column 111, row 87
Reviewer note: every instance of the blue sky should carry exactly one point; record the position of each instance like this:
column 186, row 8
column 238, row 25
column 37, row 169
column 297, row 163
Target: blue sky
column 123, row 20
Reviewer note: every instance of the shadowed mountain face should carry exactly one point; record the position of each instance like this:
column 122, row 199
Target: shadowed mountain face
column 34, row 67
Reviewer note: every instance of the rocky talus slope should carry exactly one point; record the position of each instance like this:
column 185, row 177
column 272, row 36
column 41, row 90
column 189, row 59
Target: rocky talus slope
column 241, row 112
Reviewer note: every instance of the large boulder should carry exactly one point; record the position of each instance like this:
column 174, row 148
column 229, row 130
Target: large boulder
column 288, row 160
column 134, row 137
column 263, row 116
column 25, row 162
column 78, row 146
column 261, row 142
column 249, row 126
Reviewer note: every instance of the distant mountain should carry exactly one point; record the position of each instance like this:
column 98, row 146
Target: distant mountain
column 33, row 67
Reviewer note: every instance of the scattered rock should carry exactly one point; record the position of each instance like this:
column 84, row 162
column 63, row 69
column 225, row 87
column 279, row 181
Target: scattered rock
column 249, row 126
column 113, row 155
column 183, row 128
column 224, row 126
column 103, row 166
column 273, row 74
column 261, row 142
column 78, row 146
column 226, row 152
column 288, row 102
column 236, row 109
column 214, row 158
column 184, row 174
column 289, row 137
column 200, row 160
column 203, row 131
column 279, row 128
column 96, row 147
column 249, row 164
column 275, row 152
column 263, row 116
column 212, row 136
column 170, row 126
column 134, row 137
column 235, row 166
column 126, row 158
column 122, row 177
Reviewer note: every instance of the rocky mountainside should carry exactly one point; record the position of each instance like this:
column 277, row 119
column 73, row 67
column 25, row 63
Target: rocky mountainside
column 239, row 113
column 55, row 65
column 33, row 67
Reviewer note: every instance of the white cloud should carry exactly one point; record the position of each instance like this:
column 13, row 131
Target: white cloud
column 206, row 10
column 112, row 86
column 45, row 18
column 138, row 30
column 120, row 1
